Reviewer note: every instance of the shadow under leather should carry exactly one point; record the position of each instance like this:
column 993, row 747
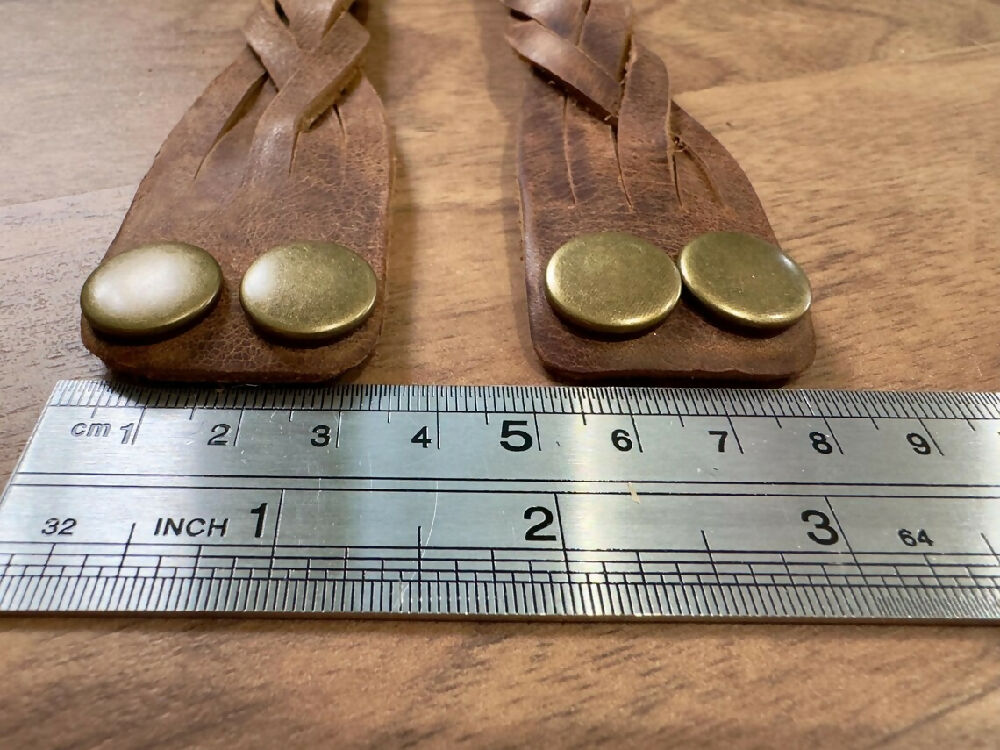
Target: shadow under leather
column 661, row 381
column 505, row 75
column 485, row 631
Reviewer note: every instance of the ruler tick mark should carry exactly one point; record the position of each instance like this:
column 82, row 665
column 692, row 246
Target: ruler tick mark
column 274, row 541
column 990, row 547
column 931, row 436
column 239, row 425
column 739, row 443
column 833, row 435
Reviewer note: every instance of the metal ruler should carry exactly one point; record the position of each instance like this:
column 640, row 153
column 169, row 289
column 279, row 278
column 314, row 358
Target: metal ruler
column 507, row 502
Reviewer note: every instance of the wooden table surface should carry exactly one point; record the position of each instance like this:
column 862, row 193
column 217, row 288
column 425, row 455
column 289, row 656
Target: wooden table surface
column 871, row 130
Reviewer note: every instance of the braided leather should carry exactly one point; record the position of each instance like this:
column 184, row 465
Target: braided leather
column 311, row 49
column 584, row 44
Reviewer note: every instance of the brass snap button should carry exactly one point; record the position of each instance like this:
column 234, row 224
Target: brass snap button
column 308, row 291
column 745, row 280
column 151, row 290
column 612, row 282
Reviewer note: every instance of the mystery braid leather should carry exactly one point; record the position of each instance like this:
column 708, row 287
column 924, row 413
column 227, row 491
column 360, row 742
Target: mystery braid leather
column 602, row 147
column 289, row 143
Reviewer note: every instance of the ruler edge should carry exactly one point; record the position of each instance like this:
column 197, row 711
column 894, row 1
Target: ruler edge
column 93, row 389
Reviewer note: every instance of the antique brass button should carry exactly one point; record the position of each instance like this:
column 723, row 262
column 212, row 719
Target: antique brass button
column 612, row 282
column 151, row 290
column 745, row 280
column 308, row 291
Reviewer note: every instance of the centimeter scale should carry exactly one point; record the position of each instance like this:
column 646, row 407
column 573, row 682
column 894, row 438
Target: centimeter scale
column 507, row 502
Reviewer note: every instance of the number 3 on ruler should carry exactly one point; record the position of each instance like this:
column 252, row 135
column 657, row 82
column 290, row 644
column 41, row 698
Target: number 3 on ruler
column 829, row 534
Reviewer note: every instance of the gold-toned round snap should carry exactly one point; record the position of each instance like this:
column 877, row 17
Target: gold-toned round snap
column 745, row 280
column 308, row 291
column 612, row 282
column 151, row 290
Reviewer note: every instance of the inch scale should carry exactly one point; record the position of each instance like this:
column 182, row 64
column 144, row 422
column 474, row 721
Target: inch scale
column 507, row 502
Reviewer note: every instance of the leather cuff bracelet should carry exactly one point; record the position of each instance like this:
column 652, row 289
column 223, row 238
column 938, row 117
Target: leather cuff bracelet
column 625, row 201
column 254, row 249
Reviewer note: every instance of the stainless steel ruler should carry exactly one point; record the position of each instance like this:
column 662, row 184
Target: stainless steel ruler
column 507, row 502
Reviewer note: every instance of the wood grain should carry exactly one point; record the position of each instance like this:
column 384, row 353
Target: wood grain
column 871, row 132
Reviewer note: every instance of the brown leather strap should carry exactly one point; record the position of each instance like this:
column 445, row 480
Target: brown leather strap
column 600, row 157
column 570, row 64
column 289, row 143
